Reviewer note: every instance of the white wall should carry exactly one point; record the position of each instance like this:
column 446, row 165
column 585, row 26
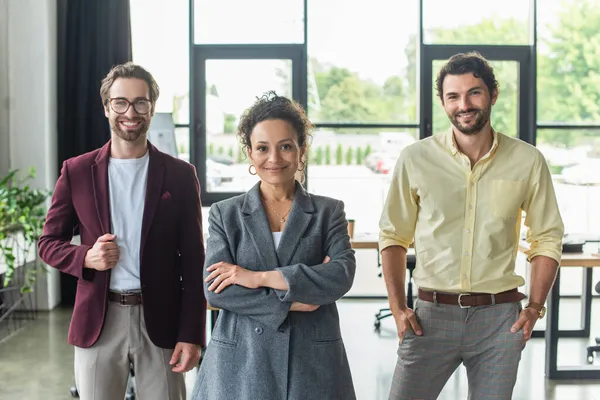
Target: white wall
column 32, row 75
column 4, row 142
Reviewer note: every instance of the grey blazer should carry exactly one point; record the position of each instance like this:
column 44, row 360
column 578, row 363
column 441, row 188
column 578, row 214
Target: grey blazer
column 260, row 350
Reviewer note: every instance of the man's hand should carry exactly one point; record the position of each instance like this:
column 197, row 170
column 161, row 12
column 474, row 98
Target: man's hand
column 527, row 319
column 225, row 274
column 185, row 357
column 104, row 254
column 405, row 320
column 297, row 306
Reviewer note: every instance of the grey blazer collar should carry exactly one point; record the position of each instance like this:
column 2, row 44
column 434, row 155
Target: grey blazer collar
column 257, row 224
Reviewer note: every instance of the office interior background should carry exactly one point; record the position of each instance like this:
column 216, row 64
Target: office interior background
column 365, row 72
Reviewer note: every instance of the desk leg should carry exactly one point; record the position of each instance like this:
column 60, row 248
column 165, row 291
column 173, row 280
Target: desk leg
column 586, row 308
column 586, row 304
column 552, row 333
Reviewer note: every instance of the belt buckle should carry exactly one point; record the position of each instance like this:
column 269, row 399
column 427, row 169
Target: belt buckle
column 459, row 300
column 122, row 299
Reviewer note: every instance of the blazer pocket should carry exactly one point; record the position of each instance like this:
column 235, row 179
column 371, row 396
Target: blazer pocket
column 507, row 198
column 225, row 330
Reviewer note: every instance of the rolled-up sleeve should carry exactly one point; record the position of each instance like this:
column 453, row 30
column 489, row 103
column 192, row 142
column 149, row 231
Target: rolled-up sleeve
column 399, row 215
column 545, row 226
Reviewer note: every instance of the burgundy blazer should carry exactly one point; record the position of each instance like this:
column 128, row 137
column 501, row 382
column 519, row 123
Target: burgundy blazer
column 171, row 252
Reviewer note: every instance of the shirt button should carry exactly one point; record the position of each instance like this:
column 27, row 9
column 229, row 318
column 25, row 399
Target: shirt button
column 467, row 253
column 464, row 277
column 258, row 330
column 468, row 230
column 470, row 206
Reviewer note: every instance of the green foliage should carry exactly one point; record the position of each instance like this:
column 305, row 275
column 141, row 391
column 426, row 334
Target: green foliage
column 327, row 155
column 22, row 211
column 368, row 150
column 346, row 97
column 339, row 155
column 241, row 157
column 359, row 156
column 349, row 155
column 229, row 123
column 221, row 150
column 211, row 149
column 318, row 156
column 230, row 152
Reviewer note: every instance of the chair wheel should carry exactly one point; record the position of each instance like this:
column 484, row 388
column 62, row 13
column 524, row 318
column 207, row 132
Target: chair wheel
column 130, row 397
column 590, row 357
column 74, row 392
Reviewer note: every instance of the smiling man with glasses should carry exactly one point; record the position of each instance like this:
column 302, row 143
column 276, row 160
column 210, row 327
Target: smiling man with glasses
column 139, row 266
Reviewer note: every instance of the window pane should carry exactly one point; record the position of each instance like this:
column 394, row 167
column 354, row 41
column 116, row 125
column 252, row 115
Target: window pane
column 355, row 165
column 229, row 93
column 362, row 69
column 575, row 168
column 244, row 22
column 476, row 22
column 504, row 112
column 160, row 43
column 568, row 62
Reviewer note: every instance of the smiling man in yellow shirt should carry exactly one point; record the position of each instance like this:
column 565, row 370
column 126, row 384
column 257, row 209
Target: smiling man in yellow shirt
column 459, row 196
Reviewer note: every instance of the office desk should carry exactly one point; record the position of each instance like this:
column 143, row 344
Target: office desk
column 371, row 242
column 552, row 333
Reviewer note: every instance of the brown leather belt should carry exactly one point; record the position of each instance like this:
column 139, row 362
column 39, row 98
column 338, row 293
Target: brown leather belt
column 468, row 300
column 125, row 299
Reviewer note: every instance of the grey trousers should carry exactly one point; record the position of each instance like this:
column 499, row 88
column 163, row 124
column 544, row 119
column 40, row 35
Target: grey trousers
column 101, row 371
column 478, row 337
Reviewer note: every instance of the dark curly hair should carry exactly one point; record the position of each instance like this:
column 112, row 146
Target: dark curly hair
column 464, row 63
column 271, row 106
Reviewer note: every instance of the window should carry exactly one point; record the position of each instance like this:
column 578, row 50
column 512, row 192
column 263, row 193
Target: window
column 232, row 87
column 476, row 22
column 362, row 68
column 568, row 62
column 362, row 97
column 573, row 156
column 568, row 106
column 248, row 22
column 356, row 165
column 161, row 45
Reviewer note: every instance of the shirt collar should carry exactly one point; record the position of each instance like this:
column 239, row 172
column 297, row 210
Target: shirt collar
column 450, row 142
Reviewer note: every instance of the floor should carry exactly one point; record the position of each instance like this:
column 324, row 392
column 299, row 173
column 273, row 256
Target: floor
column 36, row 363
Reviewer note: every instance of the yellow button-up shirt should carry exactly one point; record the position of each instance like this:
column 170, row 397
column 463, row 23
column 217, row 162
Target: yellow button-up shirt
column 465, row 222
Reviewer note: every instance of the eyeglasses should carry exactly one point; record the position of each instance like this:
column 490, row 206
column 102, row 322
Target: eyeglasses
column 121, row 105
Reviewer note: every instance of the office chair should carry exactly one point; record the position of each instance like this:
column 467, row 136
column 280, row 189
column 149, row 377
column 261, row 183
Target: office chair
column 411, row 262
column 593, row 349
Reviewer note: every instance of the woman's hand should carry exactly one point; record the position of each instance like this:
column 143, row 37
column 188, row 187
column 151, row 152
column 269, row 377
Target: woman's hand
column 225, row 274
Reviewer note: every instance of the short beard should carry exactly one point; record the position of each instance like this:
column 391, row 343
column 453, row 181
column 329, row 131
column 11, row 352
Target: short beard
column 482, row 118
column 129, row 136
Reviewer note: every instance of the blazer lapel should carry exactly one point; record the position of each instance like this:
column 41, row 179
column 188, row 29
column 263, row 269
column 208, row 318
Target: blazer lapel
column 156, row 171
column 298, row 221
column 101, row 190
column 255, row 220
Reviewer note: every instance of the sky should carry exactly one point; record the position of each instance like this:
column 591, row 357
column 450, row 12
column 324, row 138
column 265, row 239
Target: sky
column 367, row 36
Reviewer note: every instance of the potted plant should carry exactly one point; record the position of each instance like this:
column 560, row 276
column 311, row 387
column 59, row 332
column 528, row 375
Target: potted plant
column 22, row 216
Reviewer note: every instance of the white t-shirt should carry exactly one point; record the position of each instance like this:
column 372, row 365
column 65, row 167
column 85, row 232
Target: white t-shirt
column 127, row 187
column 276, row 238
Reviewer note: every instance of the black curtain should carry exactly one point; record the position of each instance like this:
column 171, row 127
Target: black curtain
column 93, row 36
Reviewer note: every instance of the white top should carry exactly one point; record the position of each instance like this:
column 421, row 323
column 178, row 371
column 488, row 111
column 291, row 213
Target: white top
column 276, row 238
column 127, row 188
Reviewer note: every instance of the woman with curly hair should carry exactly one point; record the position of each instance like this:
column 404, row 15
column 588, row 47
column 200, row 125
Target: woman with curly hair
column 277, row 260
